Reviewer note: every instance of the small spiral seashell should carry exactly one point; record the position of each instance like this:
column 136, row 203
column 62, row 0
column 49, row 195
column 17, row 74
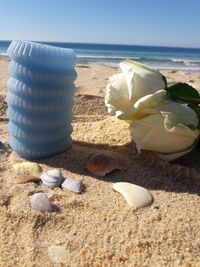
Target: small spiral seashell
column 102, row 163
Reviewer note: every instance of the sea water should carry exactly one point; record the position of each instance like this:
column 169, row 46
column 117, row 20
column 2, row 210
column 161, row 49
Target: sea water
column 106, row 54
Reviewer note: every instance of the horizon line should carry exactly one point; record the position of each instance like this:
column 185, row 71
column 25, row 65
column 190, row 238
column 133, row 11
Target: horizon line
column 67, row 42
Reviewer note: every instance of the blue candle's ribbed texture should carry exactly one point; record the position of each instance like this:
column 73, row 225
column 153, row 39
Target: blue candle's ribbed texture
column 40, row 99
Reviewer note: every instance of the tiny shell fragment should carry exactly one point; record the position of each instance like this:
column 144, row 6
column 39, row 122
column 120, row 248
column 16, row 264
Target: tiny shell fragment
column 22, row 179
column 102, row 163
column 136, row 196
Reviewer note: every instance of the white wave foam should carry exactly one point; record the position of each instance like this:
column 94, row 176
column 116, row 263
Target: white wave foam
column 3, row 54
column 104, row 57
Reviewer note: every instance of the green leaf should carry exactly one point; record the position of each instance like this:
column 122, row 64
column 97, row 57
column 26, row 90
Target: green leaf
column 196, row 108
column 183, row 92
column 164, row 80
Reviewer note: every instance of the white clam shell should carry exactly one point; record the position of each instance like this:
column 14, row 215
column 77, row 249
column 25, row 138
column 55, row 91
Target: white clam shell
column 136, row 196
column 73, row 185
column 52, row 178
column 40, row 202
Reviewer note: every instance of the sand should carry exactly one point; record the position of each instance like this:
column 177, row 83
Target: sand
column 97, row 227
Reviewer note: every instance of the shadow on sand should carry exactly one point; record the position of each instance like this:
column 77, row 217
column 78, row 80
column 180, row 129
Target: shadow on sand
column 182, row 175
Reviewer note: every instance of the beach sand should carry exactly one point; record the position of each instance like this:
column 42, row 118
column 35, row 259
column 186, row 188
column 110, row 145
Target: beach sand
column 97, row 227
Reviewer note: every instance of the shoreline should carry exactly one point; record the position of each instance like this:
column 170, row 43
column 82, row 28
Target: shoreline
column 116, row 65
column 160, row 69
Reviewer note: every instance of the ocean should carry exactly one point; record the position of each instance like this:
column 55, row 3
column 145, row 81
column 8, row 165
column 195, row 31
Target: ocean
column 106, row 54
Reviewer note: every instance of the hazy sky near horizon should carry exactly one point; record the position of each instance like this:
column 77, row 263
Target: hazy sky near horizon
column 145, row 22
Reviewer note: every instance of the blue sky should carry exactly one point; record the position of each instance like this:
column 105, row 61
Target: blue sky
column 145, row 22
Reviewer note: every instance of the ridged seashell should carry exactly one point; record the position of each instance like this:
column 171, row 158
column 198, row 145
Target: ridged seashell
column 73, row 185
column 40, row 117
column 27, row 168
column 40, row 202
column 22, row 179
column 136, row 196
column 102, row 163
column 52, row 178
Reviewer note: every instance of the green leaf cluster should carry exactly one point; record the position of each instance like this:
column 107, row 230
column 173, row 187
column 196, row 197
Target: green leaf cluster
column 185, row 93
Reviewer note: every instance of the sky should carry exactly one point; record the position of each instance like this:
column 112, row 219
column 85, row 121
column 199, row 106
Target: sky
column 139, row 22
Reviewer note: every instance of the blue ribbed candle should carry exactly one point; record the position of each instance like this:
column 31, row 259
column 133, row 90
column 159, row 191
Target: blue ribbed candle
column 40, row 99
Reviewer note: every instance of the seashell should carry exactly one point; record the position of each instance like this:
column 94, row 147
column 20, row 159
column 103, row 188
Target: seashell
column 102, row 163
column 52, row 178
column 40, row 202
column 27, row 168
column 73, row 185
column 22, row 179
column 136, row 196
column 58, row 253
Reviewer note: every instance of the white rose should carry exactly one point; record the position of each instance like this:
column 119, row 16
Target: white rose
column 162, row 125
column 134, row 81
